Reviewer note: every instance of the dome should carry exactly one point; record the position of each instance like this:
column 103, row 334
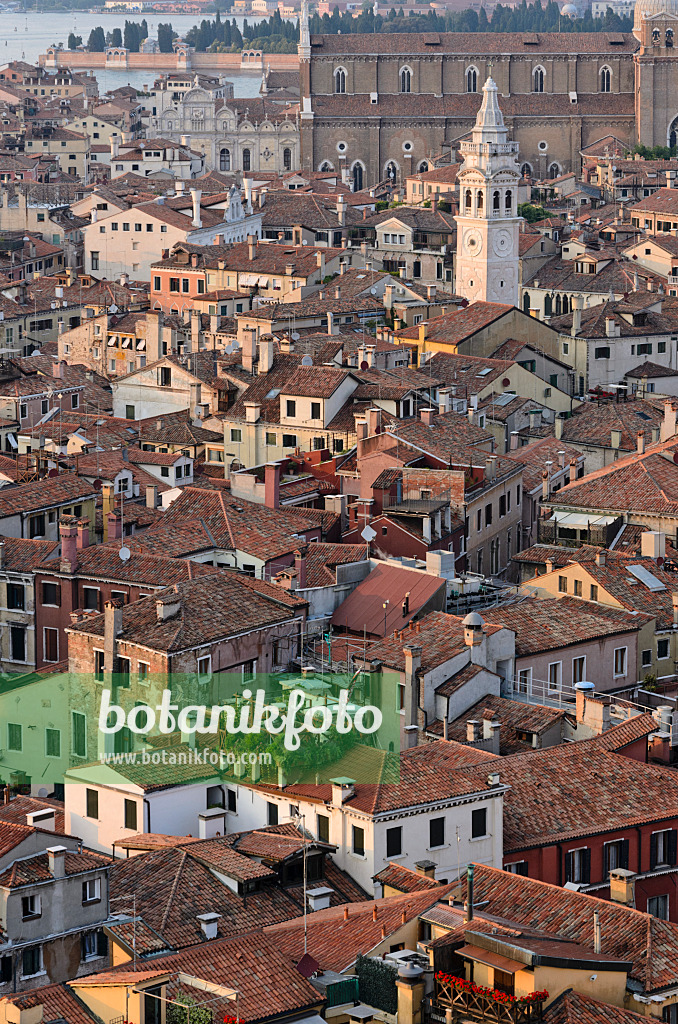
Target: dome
column 646, row 8
column 473, row 621
column 569, row 10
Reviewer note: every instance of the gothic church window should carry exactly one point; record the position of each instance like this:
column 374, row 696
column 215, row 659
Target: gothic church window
column 340, row 80
column 225, row 160
column 605, row 80
column 472, row 80
column 538, row 79
column 246, row 160
column 405, row 80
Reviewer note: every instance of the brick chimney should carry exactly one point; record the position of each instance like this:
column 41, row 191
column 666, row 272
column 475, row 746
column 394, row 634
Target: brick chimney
column 114, row 523
column 412, row 654
column 56, row 861
column 83, row 534
column 300, row 566
column 272, row 484
column 69, row 546
column 427, row 416
column 152, row 496
column 112, row 630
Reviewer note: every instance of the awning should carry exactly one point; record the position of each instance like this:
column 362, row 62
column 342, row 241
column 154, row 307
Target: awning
column 484, row 956
column 263, row 282
column 580, row 519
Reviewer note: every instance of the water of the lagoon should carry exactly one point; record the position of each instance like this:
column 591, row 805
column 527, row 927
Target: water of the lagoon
column 35, row 32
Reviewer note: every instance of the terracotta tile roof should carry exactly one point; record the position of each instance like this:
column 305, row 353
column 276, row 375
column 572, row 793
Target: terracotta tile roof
column 539, row 553
column 233, row 523
column 571, row 1007
column 213, row 607
column 440, row 636
column 534, row 456
column 446, row 439
column 43, row 494
column 322, row 561
column 315, row 381
column 549, row 624
column 595, row 319
column 103, row 562
column 617, row 277
column 650, row 369
column 592, row 423
column 13, row 833
column 635, row 483
column 363, row 608
column 620, row 736
column 59, row 1004
column 175, row 428
column 664, row 200
column 22, row 555
column 453, row 328
column 17, row 809
column 615, row 577
column 477, row 42
column 335, row 942
column 513, row 715
column 310, row 307
column 36, row 869
column 397, row 876
column 266, row 980
column 629, row 934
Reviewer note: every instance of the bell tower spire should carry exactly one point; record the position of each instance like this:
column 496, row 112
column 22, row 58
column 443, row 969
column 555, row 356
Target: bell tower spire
column 488, row 221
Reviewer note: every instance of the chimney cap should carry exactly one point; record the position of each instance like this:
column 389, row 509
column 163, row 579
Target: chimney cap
column 473, row 621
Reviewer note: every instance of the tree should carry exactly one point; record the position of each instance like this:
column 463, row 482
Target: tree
column 97, row 40
column 531, row 213
column 165, row 37
column 114, row 37
column 131, row 36
column 74, row 41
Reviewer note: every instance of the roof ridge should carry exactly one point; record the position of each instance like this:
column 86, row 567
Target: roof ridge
column 183, row 856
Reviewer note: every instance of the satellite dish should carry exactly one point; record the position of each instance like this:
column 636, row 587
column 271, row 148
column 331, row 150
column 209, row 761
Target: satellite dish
column 364, row 365
column 506, row 381
column 124, row 554
column 660, row 562
column 97, row 484
column 295, row 335
column 42, row 792
column 307, row 361
column 368, row 534
column 373, row 291
column 675, row 458
column 113, row 308
column 229, row 349
column 53, row 472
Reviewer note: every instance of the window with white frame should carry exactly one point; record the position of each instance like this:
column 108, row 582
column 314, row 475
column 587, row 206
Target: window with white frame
column 524, row 682
column 205, row 668
column 620, row 659
column 555, row 676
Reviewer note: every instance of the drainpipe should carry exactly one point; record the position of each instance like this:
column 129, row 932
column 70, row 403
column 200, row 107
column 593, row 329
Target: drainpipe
column 148, row 813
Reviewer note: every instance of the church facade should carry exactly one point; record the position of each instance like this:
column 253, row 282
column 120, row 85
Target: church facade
column 386, row 105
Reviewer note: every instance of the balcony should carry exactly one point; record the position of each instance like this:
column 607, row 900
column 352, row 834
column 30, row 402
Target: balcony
column 468, row 1001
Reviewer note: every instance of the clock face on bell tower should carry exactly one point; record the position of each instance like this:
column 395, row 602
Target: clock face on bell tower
column 488, row 221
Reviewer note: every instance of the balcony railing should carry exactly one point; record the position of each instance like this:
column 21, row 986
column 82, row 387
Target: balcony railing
column 475, row 1002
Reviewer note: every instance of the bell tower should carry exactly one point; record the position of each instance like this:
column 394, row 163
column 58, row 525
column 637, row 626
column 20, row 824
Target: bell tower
column 488, row 221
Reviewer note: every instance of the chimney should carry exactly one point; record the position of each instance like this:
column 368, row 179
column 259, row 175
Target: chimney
column 266, row 349
column 195, row 396
column 623, row 887
column 330, row 322
column 196, row 327
column 300, row 566
column 674, row 601
column 615, row 438
column 272, row 484
column 610, row 327
column 69, row 546
column 167, row 606
column 583, row 691
column 577, row 303
column 596, row 932
column 423, row 330
column 56, row 861
column 252, row 412
column 545, row 485
column 341, row 209
column 515, row 435
column 412, row 667
column 559, row 427
column 44, row 819
column 320, row 263
column 114, row 523
column 112, row 630
column 601, row 557
column 251, row 247
column 83, row 534
column 249, row 348
column 115, row 146
column 209, row 924
column 154, row 335
column 640, row 442
column 373, row 421
column 427, row 416
column 152, row 496
column 473, row 731
column 196, row 196
column 668, row 426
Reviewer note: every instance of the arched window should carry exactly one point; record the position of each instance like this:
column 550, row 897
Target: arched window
column 605, row 80
column 471, row 79
column 340, row 80
column 672, row 137
column 554, row 170
column 538, row 76
column 526, row 303
column 468, row 202
column 508, row 201
column 526, row 170
column 246, row 160
column 566, row 304
column 548, row 305
column 479, row 199
column 225, row 160
column 559, row 305
column 405, row 80
column 169, row 126
column 357, row 174
column 391, row 170
column 669, row 37
column 326, row 167
column 287, row 159
column 423, row 167
column 496, row 203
